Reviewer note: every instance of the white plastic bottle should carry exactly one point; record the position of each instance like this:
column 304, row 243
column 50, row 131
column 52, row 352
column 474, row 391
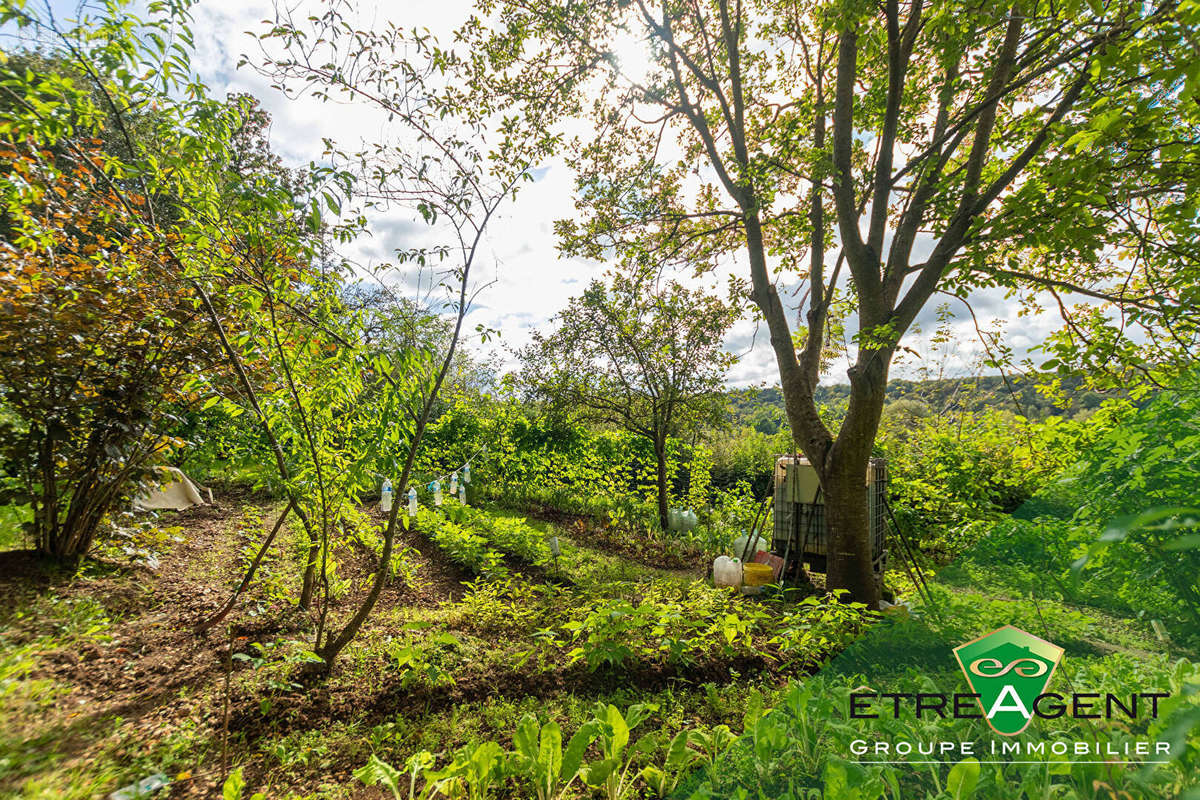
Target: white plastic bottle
column 436, row 488
column 741, row 543
column 453, row 483
column 720, row 565
column 462, row 493
column 385, row 496
column 727, row 571
column 466, row 473
column 735, row 572
column 412, row 502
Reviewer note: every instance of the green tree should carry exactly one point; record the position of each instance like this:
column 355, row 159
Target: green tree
column 454, row 157
column 880, row 153
column 96, row 336
column 642, row 354
column 168, row 163
column 259, row 237
column 249, row 241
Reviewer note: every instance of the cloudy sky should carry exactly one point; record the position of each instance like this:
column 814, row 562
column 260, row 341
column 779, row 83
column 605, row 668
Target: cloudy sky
column 529, row 281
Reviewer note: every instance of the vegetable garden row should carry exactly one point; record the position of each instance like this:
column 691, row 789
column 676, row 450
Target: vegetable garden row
column 657, row 618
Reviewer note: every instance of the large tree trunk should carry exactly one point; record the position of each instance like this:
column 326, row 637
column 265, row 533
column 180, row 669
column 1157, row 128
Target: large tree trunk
column 841, row 463
column 660, row 456
column 844, row 481
column 849, row 561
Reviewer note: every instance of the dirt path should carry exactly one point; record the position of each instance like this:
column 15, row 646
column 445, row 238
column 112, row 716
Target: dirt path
column 138, row 658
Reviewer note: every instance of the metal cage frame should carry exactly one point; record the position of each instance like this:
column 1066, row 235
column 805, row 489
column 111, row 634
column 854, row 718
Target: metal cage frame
column 801, row 533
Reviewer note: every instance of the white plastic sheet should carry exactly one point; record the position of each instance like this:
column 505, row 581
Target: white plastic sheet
column 175, row 492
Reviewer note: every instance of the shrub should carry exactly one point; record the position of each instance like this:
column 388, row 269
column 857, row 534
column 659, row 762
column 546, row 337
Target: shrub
column 465, row 547
column 97, row 332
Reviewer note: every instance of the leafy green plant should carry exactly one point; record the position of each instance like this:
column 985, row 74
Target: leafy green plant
column 540, row 761
column 377, row 771
column 472, row 774
column 611, row 773
column 507, row 535
column 712, row 743
column 1135, row 487
column 846, row 781
column 962, row 779
column 466, row 547
column 235, row 786
column 540, row 757
column 275, row 662
column 421, row 660
column 663, row 780
column 605, row 633
column 504, row 604
column 816, row 627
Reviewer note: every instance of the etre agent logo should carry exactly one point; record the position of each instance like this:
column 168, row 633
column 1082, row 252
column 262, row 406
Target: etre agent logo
column 1008, row 669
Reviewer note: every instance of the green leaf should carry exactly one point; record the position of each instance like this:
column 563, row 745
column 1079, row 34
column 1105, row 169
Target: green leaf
column 551, row 754
column 573, row 756
column 678, row 754
column 525, row 740
column 837, row 785
column 656, row 779
column 754, row 710
column 962, row 779
column 235, row 784
column 619, row 736
column 596, row 774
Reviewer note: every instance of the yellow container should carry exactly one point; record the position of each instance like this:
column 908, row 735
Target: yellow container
column 756, row 576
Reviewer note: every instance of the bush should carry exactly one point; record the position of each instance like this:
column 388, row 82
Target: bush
column 511, row 536
column 948, row 472
column 465, row 547
column 97, row 332
column 1149, row 461
column 567, row 466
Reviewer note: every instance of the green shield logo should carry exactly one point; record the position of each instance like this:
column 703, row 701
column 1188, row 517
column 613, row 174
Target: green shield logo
column 1008, row 668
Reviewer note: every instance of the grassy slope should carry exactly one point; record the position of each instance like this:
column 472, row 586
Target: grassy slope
column 806, row 750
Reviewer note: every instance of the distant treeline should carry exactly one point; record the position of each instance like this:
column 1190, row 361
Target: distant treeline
column 763, row 408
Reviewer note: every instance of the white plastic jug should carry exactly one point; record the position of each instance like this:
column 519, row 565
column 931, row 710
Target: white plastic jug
column 453, row 483
column 436, row 488
column 727, row 571
column 385, row 496
column 739, row 545
column 412, row 502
